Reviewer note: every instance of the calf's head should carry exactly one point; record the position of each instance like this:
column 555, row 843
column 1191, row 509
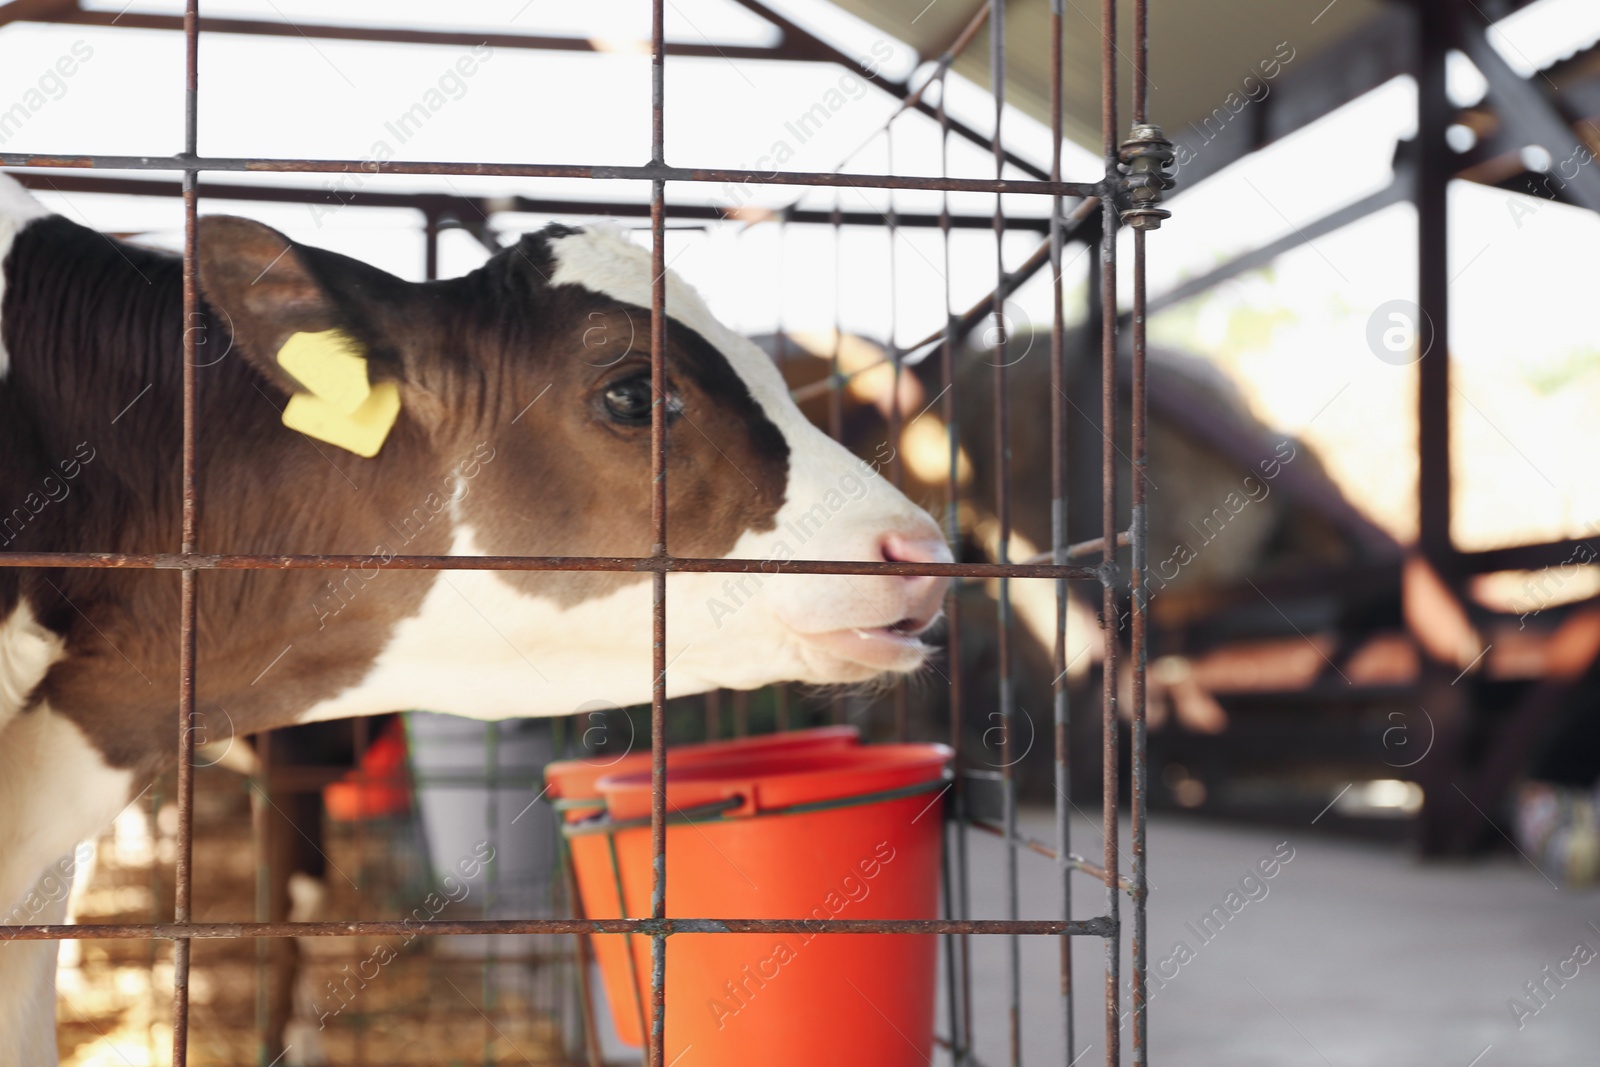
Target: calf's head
column 525, row 392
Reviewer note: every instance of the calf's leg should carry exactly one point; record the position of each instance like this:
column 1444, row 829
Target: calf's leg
column 55, row 791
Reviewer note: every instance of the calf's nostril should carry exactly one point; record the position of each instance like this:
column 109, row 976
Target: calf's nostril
column 923, row 592
column 897, row 548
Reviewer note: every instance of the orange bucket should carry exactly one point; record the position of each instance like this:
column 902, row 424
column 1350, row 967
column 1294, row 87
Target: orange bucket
column 574, row 786
column 833, row 833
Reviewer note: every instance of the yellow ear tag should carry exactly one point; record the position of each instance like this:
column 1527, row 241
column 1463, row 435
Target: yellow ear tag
column 330, row 364
column 361, row 431
column 342, row 407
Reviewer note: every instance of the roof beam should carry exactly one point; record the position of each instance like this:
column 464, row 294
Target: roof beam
column 1526, row 109
column 67, row 12
column 801, row 43
column 1379, row 51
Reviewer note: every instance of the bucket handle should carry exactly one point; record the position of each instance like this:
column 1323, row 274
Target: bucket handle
column 717, row 810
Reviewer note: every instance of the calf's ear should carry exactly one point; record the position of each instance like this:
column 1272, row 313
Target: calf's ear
column 319, row 326
column 265, row 290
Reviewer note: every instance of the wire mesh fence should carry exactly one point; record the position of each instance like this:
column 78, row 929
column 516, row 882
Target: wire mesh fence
column 1128, row 192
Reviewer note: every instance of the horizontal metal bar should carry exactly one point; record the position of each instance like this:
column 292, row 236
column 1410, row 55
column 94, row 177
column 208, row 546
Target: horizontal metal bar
column 386, row 35
column 480, row 208
column 645, row 172
column 1095, row 927
column 176, row 561
column 1527, row 557
column 797, row 46
column 1038, row 847
column 313, row 779
column 1092, row 547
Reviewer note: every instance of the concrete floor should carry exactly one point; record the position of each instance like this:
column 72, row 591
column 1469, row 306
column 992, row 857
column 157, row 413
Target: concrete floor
column 1353, row 954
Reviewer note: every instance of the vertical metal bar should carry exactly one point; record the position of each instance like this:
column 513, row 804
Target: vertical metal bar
column 957, row 944
column 897, row 473
column 1108, row 520
column 361, row 728
column 1434, row 113
column 780, row 348
column 591, row 1033
column 1137, row 769
column 184, row 857
column 266, row 1040
column 658, row 519
column 1002, row 466
column 1448, row 704
column 430, row 245
column 952, row 988
column 836, row 380
column 633, row 956
column 780, row 336
column 1059, row 537
column 491, row 895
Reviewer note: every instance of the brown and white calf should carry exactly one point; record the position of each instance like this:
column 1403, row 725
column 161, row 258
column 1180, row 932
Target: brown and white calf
column 523, row 428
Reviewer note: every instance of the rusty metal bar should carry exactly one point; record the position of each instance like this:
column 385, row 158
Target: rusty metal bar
column 386, row 35
column 780, row 347
column 658, row 520
column 897, row 473
column 607, row 172
column 1039, row 848
column 261, row 791
column 640, row 564
column 581, row 948
column 958, row 961
column 445, row 204
column 1092, row 547
column 1140, row 531
column 834, row 383
column 1098, row 926
column 1061, row 551
column 1108, row 519
column 183, row 859
column 1002, row 467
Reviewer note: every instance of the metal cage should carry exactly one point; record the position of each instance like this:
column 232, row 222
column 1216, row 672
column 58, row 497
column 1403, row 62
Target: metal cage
column 1127, row 192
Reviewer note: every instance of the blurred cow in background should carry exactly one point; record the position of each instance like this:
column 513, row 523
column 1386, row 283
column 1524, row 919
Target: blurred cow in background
column 1230, row 501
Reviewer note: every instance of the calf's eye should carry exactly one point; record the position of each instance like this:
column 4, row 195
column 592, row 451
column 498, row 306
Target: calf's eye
column 629, row 400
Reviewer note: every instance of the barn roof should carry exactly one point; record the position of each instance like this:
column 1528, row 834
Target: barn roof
column 1200, row 53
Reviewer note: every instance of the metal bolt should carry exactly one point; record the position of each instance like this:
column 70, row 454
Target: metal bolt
column 1146, row 156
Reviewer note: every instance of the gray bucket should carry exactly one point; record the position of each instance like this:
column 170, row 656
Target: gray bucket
column 479, row 787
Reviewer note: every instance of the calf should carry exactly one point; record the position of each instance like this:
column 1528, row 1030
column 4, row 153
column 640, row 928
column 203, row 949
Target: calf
column 504, row 412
